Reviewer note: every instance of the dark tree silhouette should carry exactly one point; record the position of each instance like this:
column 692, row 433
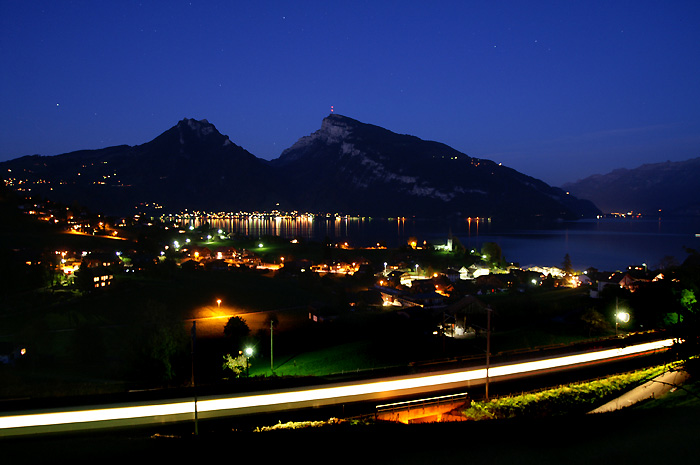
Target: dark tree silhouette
column 493, row 253
column 236, row 330
column 567, row 266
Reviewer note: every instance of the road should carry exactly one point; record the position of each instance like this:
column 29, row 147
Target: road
column 211, row 407
column 655, row 388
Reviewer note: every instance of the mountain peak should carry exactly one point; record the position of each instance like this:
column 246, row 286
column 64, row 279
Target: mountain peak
column 335, row 118
column 334, row 129
column 190, row 129
column 345, row 165
column 199, row 127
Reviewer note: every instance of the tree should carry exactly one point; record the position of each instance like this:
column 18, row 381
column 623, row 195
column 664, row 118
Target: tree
column 236, row 330
column 685, row 311
column 457, row 246
column 594, row 321
column 688, row 300
column 668, row 262
column 567, row 266
column 84, row 278
column 688, row 324
column 159, row 342
column 493, row 253
column 238, row 365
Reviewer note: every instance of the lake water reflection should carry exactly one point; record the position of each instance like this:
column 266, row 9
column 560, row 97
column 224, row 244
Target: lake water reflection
column 605, row 244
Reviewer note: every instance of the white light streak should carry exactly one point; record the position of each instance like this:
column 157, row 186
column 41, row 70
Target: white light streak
column 12, row 425
column 106, row 414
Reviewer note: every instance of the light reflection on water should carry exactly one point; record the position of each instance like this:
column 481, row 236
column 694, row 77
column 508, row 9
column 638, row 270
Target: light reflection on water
column 606, row 244
column 358, row 231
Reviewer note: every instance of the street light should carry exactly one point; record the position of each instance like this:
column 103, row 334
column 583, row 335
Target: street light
column 218, row 303
column 248, row 354
column 620, row 316
column 623, row 317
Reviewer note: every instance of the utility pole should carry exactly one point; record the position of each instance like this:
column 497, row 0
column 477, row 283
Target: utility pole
column 488, row 348
column 444, row 317
column 272, row 322
column 194, row 388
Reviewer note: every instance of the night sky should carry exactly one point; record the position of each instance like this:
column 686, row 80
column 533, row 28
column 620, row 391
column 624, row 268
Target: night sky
column 557, row 90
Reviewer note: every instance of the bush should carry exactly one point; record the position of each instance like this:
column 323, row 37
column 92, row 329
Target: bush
column 563, row 400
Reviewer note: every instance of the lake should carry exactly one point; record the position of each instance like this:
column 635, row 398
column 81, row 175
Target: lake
column 606, row 244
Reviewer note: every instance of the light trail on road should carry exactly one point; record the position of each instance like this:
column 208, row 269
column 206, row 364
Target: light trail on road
column 180, row 410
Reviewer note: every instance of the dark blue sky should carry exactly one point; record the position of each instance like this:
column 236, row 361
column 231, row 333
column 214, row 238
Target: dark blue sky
column 557, row 90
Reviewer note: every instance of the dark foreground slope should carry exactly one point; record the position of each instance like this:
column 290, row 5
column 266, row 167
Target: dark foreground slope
column 627, row 437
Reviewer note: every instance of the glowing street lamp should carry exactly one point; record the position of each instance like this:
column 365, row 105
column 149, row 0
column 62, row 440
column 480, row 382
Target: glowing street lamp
column 218, row 303
column 620, row 316
column 248, row 354
column 623, row 317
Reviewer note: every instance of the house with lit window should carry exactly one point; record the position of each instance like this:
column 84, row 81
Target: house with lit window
column 634, row 278
column 224, row 253
column 101, row 276
column 465, row 318
column 198, row 253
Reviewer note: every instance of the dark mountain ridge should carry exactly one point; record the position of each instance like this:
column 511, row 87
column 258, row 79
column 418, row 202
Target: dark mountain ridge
column 668, row 188
column 346, row 166
column 189, row 166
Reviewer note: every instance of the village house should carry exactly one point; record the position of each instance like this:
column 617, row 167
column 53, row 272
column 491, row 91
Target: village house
column 430, row 300
column 452, row 274
column 465, row 318
column 225, row 253
column 198, row 253
column 635, row 277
